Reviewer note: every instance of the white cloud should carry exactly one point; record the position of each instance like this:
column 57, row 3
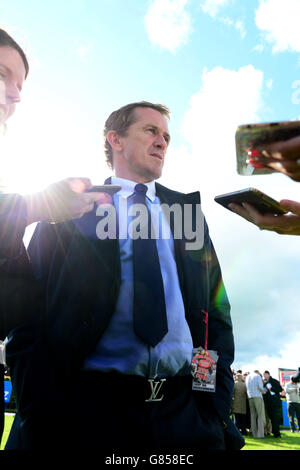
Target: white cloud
column 82, row 51
column 168, row 24
column 270, row 83
column 238, row 24
column 212, row 7
column 284, row 359
column 279, row 22
column 259, row 48
column 226, row 99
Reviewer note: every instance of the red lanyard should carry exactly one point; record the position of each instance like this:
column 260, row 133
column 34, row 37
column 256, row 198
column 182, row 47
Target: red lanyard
column 205, row 319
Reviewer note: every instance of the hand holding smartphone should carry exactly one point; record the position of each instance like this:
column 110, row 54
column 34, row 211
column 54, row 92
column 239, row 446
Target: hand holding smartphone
column 263, row 211
column 259, row 200
column 269, row 147
column 263, row 149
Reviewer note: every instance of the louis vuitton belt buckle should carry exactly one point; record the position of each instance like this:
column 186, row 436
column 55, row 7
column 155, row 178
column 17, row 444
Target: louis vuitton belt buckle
column 155, row 388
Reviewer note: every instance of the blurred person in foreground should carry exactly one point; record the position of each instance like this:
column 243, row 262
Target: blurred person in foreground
column 60, row 201
column 283, row 157
column 17, row 292
column 13, row 71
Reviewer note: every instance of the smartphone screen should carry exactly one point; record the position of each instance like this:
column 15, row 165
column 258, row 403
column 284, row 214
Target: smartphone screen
column 249, row 136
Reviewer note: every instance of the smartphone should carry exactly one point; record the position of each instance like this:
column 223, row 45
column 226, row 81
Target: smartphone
column 105, row 188
column 263, row 203
column 248, row 136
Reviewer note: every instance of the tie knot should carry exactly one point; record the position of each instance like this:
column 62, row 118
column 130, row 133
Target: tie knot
column 141, row 189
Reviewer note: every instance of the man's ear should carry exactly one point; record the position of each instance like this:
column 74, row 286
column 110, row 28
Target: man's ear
column 114, row 140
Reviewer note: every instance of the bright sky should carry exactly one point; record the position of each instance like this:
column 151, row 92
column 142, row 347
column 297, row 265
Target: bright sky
column 216, row 64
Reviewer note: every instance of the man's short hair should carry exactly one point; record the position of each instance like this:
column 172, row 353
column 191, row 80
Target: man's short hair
column 7, row 40
column 121, row 119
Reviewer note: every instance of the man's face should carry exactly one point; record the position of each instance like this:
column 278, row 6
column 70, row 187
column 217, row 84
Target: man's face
column 266, row 376
column 12, row 76
column 143, row 148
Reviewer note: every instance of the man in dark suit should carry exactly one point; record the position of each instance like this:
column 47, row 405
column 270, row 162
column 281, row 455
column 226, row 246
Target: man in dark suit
column 85, row 367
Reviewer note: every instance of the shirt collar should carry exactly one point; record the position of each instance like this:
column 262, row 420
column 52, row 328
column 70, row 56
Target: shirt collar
column 128, row 187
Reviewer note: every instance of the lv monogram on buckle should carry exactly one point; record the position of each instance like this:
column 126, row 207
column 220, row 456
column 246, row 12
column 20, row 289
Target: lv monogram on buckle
column 155, row 386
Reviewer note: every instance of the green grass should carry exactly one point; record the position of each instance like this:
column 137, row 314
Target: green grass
column 288, row 441
column 9, row 418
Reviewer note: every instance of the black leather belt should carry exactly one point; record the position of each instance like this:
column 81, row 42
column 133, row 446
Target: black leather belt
column 149, row 390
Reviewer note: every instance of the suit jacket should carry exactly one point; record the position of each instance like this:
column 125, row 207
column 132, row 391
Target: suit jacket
column 80, row 275
column 272, row 400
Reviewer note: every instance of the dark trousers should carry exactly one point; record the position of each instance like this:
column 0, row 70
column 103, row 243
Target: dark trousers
column 241, row 421
column 275, row 416
column 2, row 405
column 109, row 411
column 294, row 409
